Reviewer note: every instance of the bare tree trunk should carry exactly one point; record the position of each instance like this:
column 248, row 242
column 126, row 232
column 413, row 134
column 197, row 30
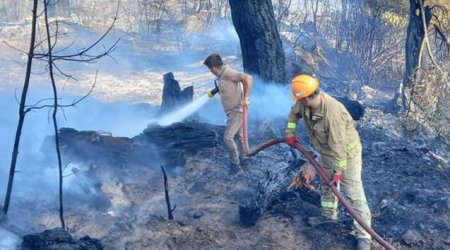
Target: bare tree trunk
column 83, row 56
column 262, row 51
column 413, row 51
column 55, row 110
column 22, row 112
column 342, row 26
column 315, row 10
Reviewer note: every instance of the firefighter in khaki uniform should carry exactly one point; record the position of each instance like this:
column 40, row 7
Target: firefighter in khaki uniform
column 332, row 133
column 234, row 88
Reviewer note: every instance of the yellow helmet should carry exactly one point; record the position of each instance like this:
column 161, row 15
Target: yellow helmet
column 303, row 86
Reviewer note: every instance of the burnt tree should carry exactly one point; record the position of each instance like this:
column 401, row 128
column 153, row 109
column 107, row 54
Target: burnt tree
column 22, row 110
column 173, row 96
column 262, row 51
column 415, row 36
column 50, row 56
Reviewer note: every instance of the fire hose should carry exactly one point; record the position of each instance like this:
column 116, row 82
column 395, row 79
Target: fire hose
column 321, row 172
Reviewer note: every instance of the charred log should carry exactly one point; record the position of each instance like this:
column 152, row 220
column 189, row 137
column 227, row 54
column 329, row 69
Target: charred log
column 58, row 238
column 270, row 189
column 94, row 146
column 172, row 144
column 180, row 140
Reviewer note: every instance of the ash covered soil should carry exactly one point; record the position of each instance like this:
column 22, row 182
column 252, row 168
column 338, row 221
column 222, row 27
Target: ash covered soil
column 121, row 202
column 406, row 177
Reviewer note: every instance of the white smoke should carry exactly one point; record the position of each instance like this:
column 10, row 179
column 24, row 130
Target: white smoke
column 267, row 102
column 36, row 179
column 116, row 118
column 8, row 240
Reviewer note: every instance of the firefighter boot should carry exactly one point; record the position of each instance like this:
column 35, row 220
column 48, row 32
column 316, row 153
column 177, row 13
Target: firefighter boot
column 363, row 244
column 320, row 220
column 234, row 169
column 244, row 161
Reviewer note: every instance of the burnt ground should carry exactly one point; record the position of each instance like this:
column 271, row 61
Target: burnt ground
column 406, row 177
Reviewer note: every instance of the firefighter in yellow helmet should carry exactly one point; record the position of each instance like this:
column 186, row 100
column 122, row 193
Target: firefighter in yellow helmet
column 332, row 133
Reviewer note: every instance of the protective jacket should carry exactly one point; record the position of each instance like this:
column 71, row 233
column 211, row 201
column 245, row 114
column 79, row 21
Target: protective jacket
column 331, row 129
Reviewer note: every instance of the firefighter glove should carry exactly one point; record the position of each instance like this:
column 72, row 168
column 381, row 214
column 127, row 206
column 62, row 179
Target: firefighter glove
column 291, row 141
column 337, row 177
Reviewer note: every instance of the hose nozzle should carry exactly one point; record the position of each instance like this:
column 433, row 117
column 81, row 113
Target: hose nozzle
column 212, row 92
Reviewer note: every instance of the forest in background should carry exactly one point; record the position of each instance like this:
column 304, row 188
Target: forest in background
column 357, row 48
column 370, row 35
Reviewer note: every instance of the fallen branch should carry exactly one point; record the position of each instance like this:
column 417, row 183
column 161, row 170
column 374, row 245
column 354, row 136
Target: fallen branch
column 166, row 192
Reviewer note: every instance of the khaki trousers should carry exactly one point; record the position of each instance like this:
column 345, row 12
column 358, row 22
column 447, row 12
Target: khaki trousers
column 233, row 129
column 351, row 185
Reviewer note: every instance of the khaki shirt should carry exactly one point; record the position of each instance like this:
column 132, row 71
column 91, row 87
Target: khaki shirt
column 331, row 129
column 230, row 89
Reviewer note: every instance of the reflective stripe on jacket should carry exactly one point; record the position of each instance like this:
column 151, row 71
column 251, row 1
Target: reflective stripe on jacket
column 331, row 129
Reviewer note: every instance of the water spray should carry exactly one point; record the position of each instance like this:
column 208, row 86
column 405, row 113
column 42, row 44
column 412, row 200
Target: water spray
column 182, row 113
column 187, row 110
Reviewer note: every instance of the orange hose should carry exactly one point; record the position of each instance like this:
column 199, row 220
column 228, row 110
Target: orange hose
column 333, row 188
column 321, row 172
